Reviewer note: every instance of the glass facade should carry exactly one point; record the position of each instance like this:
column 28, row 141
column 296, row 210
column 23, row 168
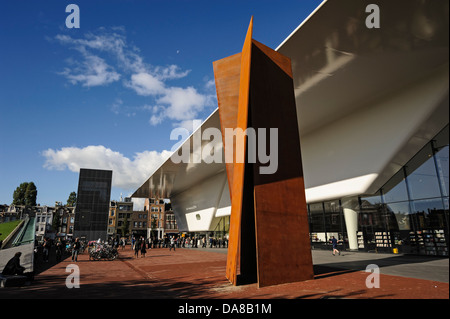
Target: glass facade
column 409, row 214
column 222, row 229
column 92, row 209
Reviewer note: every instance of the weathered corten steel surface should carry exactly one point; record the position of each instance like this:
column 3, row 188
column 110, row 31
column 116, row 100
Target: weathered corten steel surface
column 282, row 231
column 227, row 76
column 269, row 235
column 237, row 188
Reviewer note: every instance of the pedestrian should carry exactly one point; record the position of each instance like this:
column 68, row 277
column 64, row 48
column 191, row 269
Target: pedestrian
column 143, row 248
column 13, row 266
column 59, row 250
column 334, row 242
column 204, row 242
column 137, row 247
column 172, row 243
column 75, row 249
column 46, row 246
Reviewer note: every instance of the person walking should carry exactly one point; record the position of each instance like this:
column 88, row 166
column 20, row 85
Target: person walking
column 137, row 247
column 172, row 244
column 59, row 250
column 143, row 247
column 334, row 242
column 204, row 242
column 75, row 249
column 46, row 246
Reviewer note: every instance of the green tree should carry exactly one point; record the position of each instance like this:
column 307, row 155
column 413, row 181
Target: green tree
column 31, row 194
column 125, row 226
column 25, row 194
column 153, row 232
column 56, row 222
column 19, row 194
column 72, row 200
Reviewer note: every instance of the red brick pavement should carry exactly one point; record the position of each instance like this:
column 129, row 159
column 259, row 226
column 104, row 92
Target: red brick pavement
column 192, row 274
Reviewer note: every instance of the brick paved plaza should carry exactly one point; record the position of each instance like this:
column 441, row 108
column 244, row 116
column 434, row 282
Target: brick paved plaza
column 200, row 274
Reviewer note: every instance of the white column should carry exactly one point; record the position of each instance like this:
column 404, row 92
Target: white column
column 351, row 221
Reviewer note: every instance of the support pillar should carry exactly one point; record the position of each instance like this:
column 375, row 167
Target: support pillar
column 351, row 222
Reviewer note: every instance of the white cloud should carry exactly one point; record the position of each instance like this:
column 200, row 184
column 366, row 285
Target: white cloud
column 174, row 103
column 170, row 72
column 116, row 106
column 128, row 174
column 156, row 119
column 182, row 103
column 93, row 71
column 210, row 84
column 146, row 84
column 168, row 102
column 114, row 44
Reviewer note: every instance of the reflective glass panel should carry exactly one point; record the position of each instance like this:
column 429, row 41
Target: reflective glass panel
column 316, row 220
column 442, row 168
column 395, row 188
column 421, row 175
column 401, row 212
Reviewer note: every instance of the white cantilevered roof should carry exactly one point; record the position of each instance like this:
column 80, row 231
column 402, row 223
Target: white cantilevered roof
column 342, row 70
column 172, row 178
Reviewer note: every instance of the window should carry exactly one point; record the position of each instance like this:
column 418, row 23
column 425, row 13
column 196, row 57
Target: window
column 395, row 189
column 421, row 175
column 443, row 168
column 401, row 212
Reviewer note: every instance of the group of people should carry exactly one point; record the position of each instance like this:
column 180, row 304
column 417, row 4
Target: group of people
column 139, row 245
column 62, row 248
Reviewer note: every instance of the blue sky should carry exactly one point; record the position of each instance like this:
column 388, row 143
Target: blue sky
column 107, row 95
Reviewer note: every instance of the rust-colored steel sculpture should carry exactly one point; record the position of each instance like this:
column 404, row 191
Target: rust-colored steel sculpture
column 269, row 234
